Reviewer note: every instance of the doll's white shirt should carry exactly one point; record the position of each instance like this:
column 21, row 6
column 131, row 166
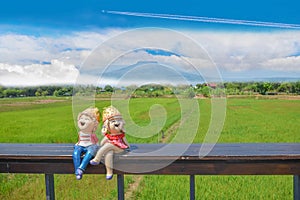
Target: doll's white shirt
column 85, row 139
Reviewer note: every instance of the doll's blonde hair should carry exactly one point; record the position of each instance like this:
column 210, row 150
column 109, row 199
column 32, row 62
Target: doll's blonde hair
column 92, row 112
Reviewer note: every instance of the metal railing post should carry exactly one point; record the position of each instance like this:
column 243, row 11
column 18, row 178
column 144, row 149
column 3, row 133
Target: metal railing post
column 120, row 186
column 192, row 187
column 296, row 187
column 49, row 180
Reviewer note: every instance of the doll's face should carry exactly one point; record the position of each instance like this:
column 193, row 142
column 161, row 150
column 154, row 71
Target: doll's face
column 116, row 125
column 86, row 123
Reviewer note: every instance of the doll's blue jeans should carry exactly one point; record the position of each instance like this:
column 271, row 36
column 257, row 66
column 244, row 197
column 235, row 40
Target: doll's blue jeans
column 89, row 151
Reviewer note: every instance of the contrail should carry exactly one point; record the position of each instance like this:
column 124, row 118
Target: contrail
column 206, row 19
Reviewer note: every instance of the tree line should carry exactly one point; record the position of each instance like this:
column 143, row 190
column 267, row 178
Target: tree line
column 153, row 90
column 58, row 91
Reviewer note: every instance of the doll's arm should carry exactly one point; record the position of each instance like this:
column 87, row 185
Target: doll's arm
column 94, row 138
column 125, row 141
column 104, row 127
column 78, row 134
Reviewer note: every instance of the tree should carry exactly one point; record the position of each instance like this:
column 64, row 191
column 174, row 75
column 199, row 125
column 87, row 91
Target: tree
column 98, row 90
column 206, row 91
column 38, row 92
column 56, row 93
column 232, row 88
column 190, row 93
column 1, row 92
column 30, row 91
column 10, row 92
column 263, row 87
column 108, row 88
column 44, row 93
column 285, row 87
column 200, row 86
column 297, row 87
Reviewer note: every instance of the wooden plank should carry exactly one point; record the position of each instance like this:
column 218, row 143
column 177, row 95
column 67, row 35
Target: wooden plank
column 163, row 159
column 256, row 151
column 36, row 151
column 279, row 167
column 219, row 152
column 226, row 159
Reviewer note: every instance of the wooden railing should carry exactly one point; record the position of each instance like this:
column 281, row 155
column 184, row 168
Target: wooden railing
column 223, row 159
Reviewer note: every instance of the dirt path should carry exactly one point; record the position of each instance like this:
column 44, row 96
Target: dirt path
column 133, row 186
column 39, row 101
column 171, row 131
column 137, row 179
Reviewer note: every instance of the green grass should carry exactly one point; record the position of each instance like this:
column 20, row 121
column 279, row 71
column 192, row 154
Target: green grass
column 216, row 187
column 250, row 120
column 247, row 120
column 25, row 121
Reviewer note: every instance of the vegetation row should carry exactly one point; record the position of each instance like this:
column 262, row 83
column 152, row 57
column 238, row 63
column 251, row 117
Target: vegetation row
column 152, row 90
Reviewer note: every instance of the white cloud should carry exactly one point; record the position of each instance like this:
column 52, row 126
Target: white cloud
column 26, row 59
column 56, row 72
column 283, row 64
column 73, row 47
column 238, row 51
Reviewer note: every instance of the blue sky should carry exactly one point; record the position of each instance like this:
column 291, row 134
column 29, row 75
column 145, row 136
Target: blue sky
column 46, row 42
column 77, row 14
column 82, row 15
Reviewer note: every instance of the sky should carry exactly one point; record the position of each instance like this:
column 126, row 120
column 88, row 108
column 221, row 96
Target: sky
column 55, row 42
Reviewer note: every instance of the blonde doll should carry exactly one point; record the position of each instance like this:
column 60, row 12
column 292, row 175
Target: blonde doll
column 86, row 146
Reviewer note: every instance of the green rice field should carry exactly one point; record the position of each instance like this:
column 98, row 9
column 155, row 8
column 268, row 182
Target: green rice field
column 50, row 120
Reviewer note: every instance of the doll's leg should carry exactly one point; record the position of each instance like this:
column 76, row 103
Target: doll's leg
column 109, row 158
column 78, row 150
column 102, row 151
column 91, row 151
column 109, row 164
column 85, row 161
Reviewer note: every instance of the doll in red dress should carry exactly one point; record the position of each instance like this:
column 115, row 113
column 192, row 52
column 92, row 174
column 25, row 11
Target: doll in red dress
column 114, row 140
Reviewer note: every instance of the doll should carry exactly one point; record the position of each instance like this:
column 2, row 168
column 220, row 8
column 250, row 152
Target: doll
column 114, row 140
column 86, row 147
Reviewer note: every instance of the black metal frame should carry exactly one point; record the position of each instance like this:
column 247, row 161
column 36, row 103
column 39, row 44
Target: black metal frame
column 50, row 192
column 224, row 159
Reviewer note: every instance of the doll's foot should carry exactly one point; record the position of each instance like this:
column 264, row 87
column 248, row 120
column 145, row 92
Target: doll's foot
column 109, row 176
column 79, row 174
column 92, row 162
column 78, row 177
